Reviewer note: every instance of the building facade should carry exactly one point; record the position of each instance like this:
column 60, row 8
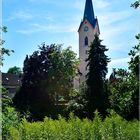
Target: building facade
column 88, row 28
column 11, row 82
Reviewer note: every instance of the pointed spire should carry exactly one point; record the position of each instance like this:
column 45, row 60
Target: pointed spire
column 89, row 12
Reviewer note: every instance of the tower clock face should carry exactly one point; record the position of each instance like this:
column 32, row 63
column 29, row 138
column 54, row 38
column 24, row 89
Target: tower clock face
column 86, row 28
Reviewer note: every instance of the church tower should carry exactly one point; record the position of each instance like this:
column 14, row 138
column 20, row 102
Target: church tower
column 88, row 28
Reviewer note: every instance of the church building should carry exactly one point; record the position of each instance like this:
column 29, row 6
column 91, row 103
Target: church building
column 88, row 28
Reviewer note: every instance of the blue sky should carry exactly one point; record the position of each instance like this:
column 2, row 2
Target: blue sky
column 31, row 22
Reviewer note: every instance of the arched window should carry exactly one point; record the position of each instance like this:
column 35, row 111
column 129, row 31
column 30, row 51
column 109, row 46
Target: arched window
column 86, row 41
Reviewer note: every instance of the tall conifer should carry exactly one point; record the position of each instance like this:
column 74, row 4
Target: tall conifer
column 97, row 66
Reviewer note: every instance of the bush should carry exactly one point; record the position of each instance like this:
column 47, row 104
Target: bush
column 112, row 128
column 77, row 102
column 9, row 119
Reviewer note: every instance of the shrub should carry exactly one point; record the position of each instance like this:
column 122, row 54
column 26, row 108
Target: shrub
column 112, row 128
column 9, row 119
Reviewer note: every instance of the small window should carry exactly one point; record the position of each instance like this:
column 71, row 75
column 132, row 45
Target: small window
column 86, row 52
column 86, row 41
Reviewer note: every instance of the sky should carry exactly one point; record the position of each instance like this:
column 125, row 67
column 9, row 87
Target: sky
column 32, row 22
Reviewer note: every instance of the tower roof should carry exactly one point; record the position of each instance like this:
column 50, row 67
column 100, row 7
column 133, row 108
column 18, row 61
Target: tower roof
column 89, row 12
column 89, row 15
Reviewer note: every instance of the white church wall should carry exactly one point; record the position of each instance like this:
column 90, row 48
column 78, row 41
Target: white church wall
column 83, row 49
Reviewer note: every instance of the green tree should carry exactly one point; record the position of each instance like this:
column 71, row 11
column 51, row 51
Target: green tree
column 124, row 90
column 14, row 70
column 136, row 4
column 124, row 94
column 97, row 66
column 3, row 50
column 124, row 86
column 47, row 73
column 77, row 102
column 134, row 54
column 6, row 101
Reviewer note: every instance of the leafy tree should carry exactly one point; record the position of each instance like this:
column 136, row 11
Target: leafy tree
column 6, row 100
column 124, row 87
column 134, row 54
column 97, row 65
column 14, row 70
column 3, row 50
column 77, row 102
column 124, row 94
column 2, row 29
column 120, row 96
column 136, row 4
column 47, row 73
column 134, row 66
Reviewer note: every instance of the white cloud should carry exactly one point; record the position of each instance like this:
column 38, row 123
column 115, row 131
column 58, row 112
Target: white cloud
column 112, row 32
column 60, row 3
column 21, row 15
column 39, row 1
column 49, row 18
column 113, row 25
column 108, row 18
column 119, row 61
column 34, row 28
column 78, row 4
column 101, row 3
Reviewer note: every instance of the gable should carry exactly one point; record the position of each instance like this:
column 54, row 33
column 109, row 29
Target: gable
column 88, row 23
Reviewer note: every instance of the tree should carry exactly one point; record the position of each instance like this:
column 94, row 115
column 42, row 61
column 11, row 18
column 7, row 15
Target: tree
column 47, row 73
column 97, row 65
column 124, row 87
column 8, row 117
column 134, row 63
column 136, row 4
column 14, row 70
column 120, row 95
column 77, row 102
column 3, row 50
column 124, row 90
column 134, row 54
column 6, row 101
column 124, row 94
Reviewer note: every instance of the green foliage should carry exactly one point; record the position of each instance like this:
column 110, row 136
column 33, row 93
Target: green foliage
column 124, row 87
column 136, row 4
column 77, row 101
column 134, row 54
column 3, row 50
column 116, row 128
column 124, row 94
column 8, row 114
column 6, row 100
column 47, row 74
column 9, row 119
column 97, row 66
column 14, row 70
column 112, row 128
